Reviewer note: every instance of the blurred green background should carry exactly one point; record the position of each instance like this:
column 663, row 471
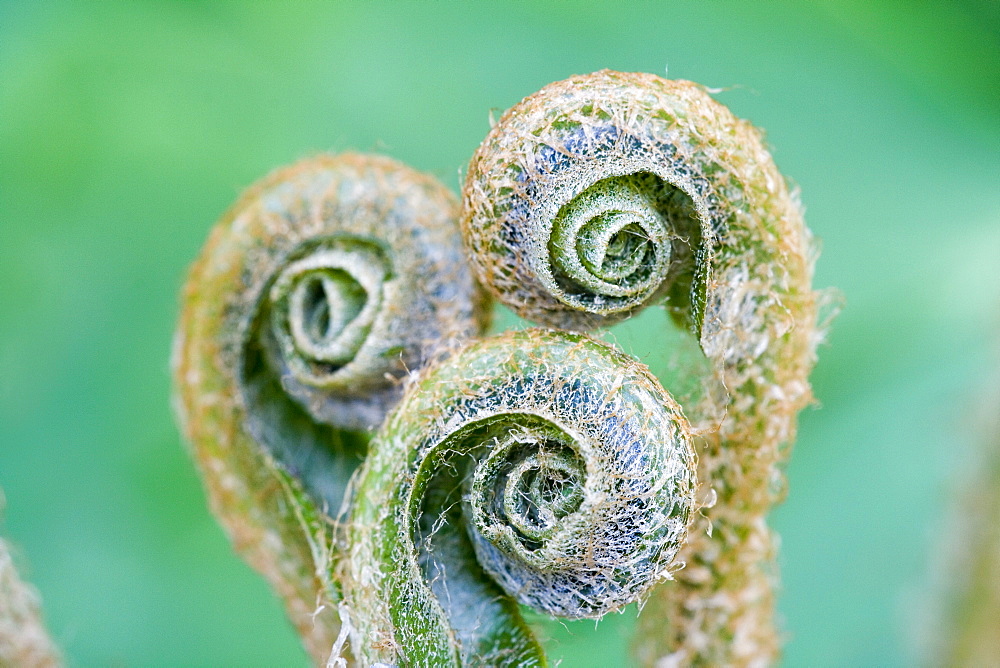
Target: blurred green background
column 126, row 129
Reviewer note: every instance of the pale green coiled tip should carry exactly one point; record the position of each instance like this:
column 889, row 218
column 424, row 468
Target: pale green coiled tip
column 323, row 307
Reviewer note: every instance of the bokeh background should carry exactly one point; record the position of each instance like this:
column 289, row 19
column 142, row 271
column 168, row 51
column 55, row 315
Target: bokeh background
column 126, row 129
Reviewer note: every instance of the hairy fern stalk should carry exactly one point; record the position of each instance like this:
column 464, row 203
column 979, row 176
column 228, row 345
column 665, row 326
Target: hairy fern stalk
column 333, row 318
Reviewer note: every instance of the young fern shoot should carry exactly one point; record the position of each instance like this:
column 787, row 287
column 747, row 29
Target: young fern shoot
column 534, row 467
column 315, row 295
column 606, row 193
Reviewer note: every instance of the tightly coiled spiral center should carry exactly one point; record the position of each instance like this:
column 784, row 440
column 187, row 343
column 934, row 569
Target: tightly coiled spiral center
column 323, row 307
column 530, row 481
column 610, row 242
column 540, row 491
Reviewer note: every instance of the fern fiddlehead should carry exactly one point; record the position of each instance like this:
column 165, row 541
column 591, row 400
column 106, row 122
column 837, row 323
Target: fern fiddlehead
column 314, row 296
column 606, row 193
column 533, row 467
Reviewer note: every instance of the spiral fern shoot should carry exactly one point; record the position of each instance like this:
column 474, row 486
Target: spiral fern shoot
column 534, row 467
column 606, row 193
column 315, row 295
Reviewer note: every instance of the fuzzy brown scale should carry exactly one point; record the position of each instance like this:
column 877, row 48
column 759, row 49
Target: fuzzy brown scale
column 736, row 273
column 315, row 296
